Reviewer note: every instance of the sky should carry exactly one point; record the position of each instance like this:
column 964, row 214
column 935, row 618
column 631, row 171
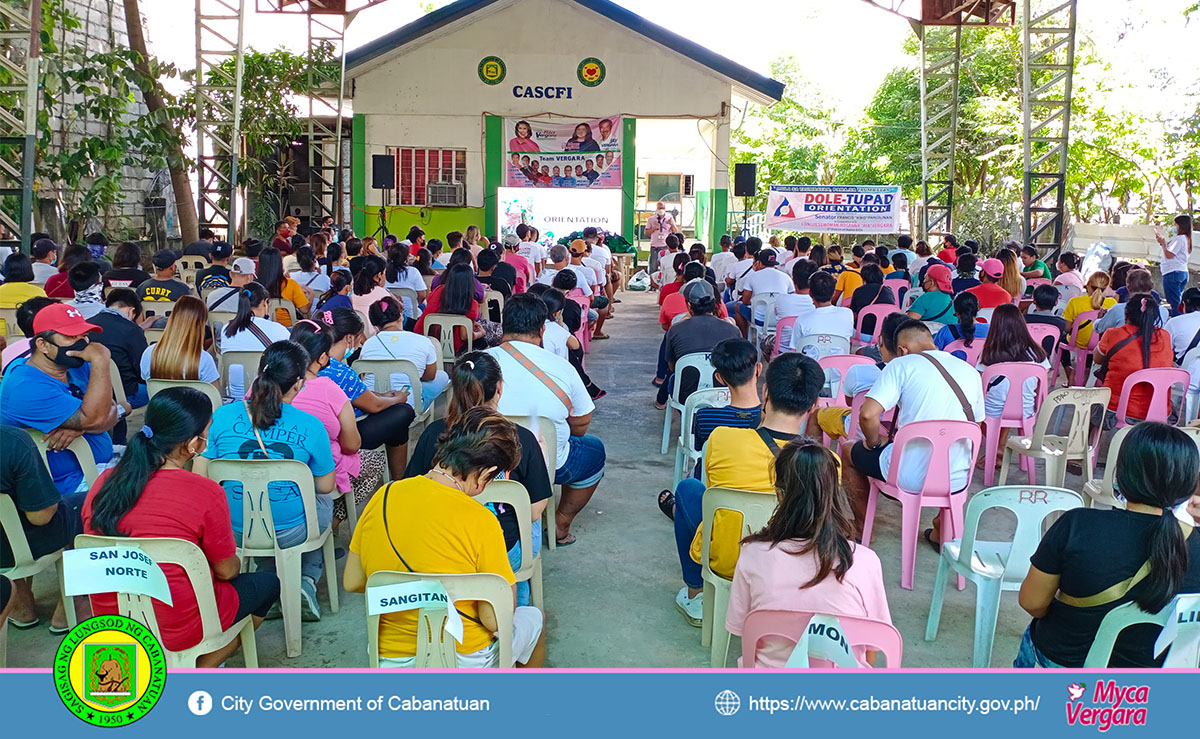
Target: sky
column 844, row 47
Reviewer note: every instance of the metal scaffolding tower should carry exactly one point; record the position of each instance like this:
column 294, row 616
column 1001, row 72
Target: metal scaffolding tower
column 20, row 57
column 1048, row 64
column 941, row 57
column 219, row 39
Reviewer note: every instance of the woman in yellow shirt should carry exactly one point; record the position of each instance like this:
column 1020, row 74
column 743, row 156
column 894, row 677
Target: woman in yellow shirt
column 432, row 523
column 272, row 276
column 18, row 282
column 1096, row 286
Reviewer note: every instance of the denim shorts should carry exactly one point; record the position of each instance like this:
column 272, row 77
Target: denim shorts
column 585, row 463
column 1029, row 656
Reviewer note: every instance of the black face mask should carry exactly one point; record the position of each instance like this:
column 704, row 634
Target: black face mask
column 61, row 358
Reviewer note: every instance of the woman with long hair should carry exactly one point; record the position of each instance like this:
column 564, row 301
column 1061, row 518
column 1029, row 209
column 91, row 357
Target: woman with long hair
column 400, row 274
column 817, row 256
column 1139, row 344
column 369, row 286
column 336, row 259
column 180, row 354
column 1095, row 298
column 357, row 471
column 476, row 382
column 309, row 275
column 459, row 256
column 455, row 297
column 267, row 426
column 1012, row 281
column 806, row 558
column 430, row 523
column 424, row 263
column 383, row 418
column 57, row 286
column 318, row 242
column 249, row 331
column 338, row 294
column 1176, row 252
column 1008, row 340
column 271, row 275
column 150, row 494
column 967, row 330
column 522, row 139
column 1148, row 550
column 474, row 240
column 582, row 140
column 391, row 341
column 924, row 253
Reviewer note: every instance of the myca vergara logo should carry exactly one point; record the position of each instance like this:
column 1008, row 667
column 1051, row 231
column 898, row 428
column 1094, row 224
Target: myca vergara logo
column 1112, row 705
column 110, row 671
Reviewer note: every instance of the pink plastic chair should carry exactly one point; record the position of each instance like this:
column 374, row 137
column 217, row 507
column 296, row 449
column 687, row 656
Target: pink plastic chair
column 1032, row 283
column 789, row 323
column 852, row 432
column 877, row 636
column 935, row 493
column 1160, row 380
column 1042, row 331
column 846, row 301
column 839, row 363
column 1013, row 415
column 584, row 334
column 970, row 353
column 1079, row 356
column 880, row 312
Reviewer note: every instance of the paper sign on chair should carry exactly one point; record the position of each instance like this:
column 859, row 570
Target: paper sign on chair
column 408, row 596
column 114, row 570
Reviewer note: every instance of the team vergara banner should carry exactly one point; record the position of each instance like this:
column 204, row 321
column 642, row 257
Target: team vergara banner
column 865, row 209
column 569, row 153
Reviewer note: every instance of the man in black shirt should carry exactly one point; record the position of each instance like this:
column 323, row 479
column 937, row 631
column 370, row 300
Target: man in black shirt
column 163, row 287
column 699, row 332
column 125, row 339
column 198, row 249
column 488, row 261
column 1045, row 297
column 218, row 274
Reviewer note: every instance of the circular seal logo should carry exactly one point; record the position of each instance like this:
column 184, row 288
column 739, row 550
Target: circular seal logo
column 591, row 72
column 492, row 70
column 110, row 671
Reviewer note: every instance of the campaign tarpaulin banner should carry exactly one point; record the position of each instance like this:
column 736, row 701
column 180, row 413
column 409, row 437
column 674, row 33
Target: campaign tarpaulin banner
column 563, row 153
column 863, row 209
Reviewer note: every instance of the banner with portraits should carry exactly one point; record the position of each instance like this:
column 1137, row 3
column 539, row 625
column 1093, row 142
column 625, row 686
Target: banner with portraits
column 558, row 153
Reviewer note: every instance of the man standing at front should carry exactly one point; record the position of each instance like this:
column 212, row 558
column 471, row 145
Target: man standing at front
column 540, row 383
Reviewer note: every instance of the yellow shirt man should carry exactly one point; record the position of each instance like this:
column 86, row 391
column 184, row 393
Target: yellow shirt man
column 848, row 281
column 435, row 528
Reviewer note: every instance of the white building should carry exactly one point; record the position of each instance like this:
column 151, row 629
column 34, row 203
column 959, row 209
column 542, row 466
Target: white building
column 445, row 95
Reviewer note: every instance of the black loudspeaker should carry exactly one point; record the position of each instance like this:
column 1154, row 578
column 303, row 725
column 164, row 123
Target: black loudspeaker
column 744, row 180
column 383, row 171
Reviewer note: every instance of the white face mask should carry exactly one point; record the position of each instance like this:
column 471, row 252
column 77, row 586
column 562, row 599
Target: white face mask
column 662, row 212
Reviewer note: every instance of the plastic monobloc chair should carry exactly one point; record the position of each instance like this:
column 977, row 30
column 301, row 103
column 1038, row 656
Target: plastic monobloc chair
column 877, row 636
column 447, row 324
column 547, row 434
column 24, row 564
column 970, row 354
column 686, row 453
column 1080, row 355
column 1160, row 380
column 783, row 333
column 1013, row 415
column 879, row 312
column 1078, row 444
column 513, row 494
column 701, row 364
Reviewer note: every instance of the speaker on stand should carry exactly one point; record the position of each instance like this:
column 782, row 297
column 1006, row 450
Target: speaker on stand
column 383, row 178
column 745, row 185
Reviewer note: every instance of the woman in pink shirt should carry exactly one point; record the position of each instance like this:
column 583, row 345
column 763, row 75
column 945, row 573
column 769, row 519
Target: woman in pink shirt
column 525, row 272
column 523, row 141
column 369, row 287
column 806, row 559
column 1068, row 271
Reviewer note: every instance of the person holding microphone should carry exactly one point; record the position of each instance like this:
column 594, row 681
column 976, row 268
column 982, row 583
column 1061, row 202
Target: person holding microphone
column 1176, row 252
column 658, row 226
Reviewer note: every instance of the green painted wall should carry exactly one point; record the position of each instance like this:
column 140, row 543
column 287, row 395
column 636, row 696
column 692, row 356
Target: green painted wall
column 435, row 222
column 702, row 217
column 719, row 221
column 358, row 176
column 629, row 180
column 493, row 171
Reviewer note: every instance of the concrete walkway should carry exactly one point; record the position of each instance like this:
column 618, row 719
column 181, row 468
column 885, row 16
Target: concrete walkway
column 610, row 596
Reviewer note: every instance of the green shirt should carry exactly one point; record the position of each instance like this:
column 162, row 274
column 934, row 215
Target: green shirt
column 934, row 306
column 1039, row 265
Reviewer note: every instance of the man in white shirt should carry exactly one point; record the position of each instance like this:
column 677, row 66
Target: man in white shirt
column 763, row 279
column 560, row 396
column 1185, row 327
column 589, row 281
column 44, row 254
column 824, row 318
column 226, row 298
column 560, row 259
column 603, row 255
column 736, row 273
column 666, row 262
column 722, row 260
column 531, row 250
column 913, row 382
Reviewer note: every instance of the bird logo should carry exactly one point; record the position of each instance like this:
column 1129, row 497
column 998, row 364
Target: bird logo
column 1075, row 690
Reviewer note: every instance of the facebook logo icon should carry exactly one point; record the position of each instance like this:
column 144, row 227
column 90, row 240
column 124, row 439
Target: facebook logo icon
column 200, row 703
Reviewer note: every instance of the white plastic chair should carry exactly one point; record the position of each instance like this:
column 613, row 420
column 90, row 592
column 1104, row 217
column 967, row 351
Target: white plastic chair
column 24, row 565
column 819, row 346
column 514, row 495
column 383, row 369
column 701, row 363
column 447, row 325
column 282, row 304
column 140, row 608
column 756, row 510
column 765, row 301
column 9, row 317
column 154, row 387
column 685, row 451
column 1079, row 443
column 435, row 648
column 258, row 530
column 158, row 309
column 247, row 360
column 1102, row 491
column 1116, row 621
column 79, row 447
column 995, row 566
column 547, row 433
column 114, row 374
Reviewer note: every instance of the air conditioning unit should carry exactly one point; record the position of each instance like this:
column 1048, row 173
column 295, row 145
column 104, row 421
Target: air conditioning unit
column 446, row 194
column 689, row 185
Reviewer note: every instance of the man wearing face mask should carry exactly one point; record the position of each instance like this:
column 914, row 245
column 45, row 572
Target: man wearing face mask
column 125, row 339
column 64, row 391
column 658, row 226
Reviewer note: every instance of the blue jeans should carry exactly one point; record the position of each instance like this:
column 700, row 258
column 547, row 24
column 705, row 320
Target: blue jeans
column 312, row 564
column 514, row 561
column 142, row 397
column 1174, row 284
column 689, row 513
column 585, row 463
column 1029, row 656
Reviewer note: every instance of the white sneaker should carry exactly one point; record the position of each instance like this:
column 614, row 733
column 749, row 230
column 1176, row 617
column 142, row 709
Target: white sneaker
column 691, row 608
column 310, row 610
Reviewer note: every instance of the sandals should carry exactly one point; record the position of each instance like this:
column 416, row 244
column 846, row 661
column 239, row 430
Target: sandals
column 666, row 504
column 23, row 625
column 565, row 542
column 936, row 546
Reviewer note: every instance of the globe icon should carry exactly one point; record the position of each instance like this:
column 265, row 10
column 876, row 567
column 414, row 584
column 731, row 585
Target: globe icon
column 727, row 703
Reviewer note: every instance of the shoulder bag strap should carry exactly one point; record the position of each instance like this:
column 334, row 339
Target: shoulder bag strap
column 314, row 277
column 768, row 440
column 958, row 391
column 258, row 334
column 1191, row 346
column 944, row 311
column 536, row 371
column 1102, row 367
column 1120, row 590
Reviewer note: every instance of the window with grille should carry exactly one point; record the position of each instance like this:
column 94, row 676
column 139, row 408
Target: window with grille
column 416, row 167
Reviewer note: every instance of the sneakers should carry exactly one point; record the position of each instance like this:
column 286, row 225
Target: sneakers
column 691, row 608
column 309, row 609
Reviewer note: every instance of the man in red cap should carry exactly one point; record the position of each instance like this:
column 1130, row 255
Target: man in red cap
column 63, row 389
column 990, row 294
column 937, row 302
